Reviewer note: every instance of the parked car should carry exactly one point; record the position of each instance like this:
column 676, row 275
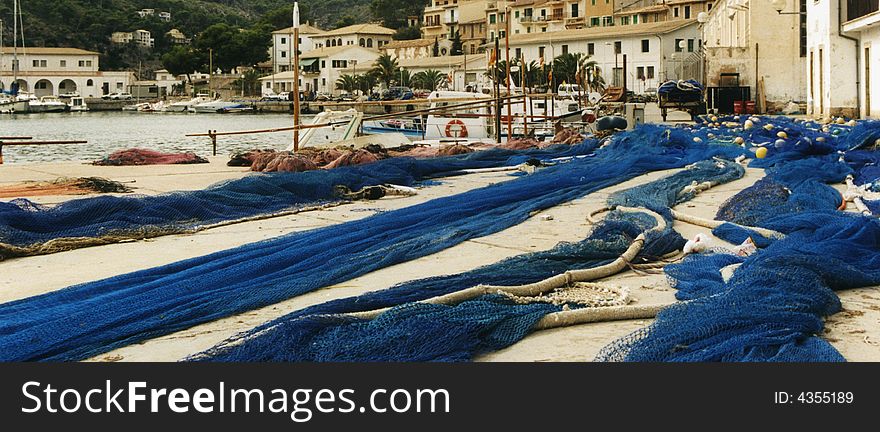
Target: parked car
column 118, row 96
column 398, row 93
column 345, row 97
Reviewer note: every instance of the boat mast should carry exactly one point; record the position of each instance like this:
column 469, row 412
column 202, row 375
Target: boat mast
column 295, row 42
column 14, row 47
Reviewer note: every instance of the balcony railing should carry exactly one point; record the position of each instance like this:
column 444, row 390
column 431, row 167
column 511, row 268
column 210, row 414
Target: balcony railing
column 859, row 8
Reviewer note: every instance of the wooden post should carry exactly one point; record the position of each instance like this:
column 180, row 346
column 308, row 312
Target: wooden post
column 213, row 135
column 295, row 53
column 507, row 55
column 1, row 152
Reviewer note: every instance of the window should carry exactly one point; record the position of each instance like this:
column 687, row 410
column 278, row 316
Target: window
column 119, row 86
column 617, row 47
column 574, row 10
column 283, row 54
column 283, row 41
column 528, row 29
column 640, row 73
column 708, row 6
column 594, row 21
column 690, row 45
column 591, row 48
column 516, row 14
column 323, row 64
column 369, row 42
column 650, row 74
column 564, row 49
column 593, row 2
column 90, row 83
column 541, row 52
column 646, row 45
column 624, row 20
column 518, row 53
column 63, row 63
column 362, row 42
column 492, row 19
column 339, row 42
column 687, row 12
column 678, row 45
column 42, row 85
column 88, row 63
column 40, row 63
column 608, row 21
column 675, row 12
column 635, row 19
column 339, row 64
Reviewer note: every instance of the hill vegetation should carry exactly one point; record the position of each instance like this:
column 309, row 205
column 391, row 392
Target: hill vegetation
column 88, row 24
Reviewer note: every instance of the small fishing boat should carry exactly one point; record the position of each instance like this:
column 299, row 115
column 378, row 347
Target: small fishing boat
column 78, row 104
column 140, row 107
column 47, row 104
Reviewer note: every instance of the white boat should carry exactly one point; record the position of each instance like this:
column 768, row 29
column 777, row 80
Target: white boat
column 78, row 104
column 12, row 105
column 143, row 106
column 183, row 106
column 218, row 106
column 47, row 104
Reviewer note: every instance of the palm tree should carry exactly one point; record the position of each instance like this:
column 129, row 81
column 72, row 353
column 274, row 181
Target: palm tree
column 386, row 69
column 429, row 79
column 499, row 72
column 366, row 82
column 577, row 68
column 404, row 78
column 348, row 83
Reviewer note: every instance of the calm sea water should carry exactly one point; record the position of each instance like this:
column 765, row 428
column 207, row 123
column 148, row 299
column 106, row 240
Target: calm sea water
column 110, row 131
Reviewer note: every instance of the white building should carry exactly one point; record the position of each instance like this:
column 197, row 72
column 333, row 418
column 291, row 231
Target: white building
column 843, row 37
column 54, row 71
column 165, row 16
column 280, row 52
column 416, row 48
column 472, row 73
column 320, row 68
column 166, row 81
column 371, row 36
column 749, row 38
column 652, row 50
column 144, row 38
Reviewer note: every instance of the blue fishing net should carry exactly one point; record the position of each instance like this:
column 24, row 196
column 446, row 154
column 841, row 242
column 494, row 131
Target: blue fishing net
column 26, row 227
column 771, row 308
column 295, row 336
column 92, row 318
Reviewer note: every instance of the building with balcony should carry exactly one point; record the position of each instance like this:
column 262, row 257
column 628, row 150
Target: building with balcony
column 56, row 71
column 280, row 58
column 443, row 18
column 654, row 52
column 748, row 39
column 646, row 11
column 541, row 16
column 176, row 37
column 843, row 37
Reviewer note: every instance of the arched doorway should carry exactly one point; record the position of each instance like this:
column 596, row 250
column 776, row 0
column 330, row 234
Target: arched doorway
column 44, row 87
column 67, row 87
column 23, row 85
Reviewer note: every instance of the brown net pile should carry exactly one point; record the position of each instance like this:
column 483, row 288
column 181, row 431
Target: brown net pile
column 130, row 157
column 63, row 186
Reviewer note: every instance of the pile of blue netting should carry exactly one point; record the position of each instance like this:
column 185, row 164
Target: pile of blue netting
column 421, row 332
column 27, row 228
column 92, row 318
column 770, row 306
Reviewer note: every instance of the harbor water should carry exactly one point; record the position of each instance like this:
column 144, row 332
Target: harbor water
column 107, row 132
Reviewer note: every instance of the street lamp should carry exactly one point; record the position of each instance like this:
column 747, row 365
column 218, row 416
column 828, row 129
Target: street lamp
column 779, row 5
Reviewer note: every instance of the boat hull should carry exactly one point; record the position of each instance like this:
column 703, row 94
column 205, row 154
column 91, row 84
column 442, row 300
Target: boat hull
column 17, row 107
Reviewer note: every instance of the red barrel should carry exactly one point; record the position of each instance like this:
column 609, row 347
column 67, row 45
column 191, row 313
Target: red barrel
column 737, row 107
column 751, row 107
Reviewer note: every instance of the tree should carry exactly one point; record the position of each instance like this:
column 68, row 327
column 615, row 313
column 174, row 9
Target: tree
column 249, row 83
column 182, row 60
column 393, row 13
column 429, row 79
column 366, row 82
column 347, row 83
column 233, row 46
column 386, row 69
column 345, row 22
column 435, row 52
column 407, row 33
column 456, row 49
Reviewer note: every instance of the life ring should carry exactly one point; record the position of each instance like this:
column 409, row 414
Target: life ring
column 461, row 129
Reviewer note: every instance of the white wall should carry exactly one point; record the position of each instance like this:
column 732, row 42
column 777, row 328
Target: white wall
column 831, row 87
column 871, row 40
